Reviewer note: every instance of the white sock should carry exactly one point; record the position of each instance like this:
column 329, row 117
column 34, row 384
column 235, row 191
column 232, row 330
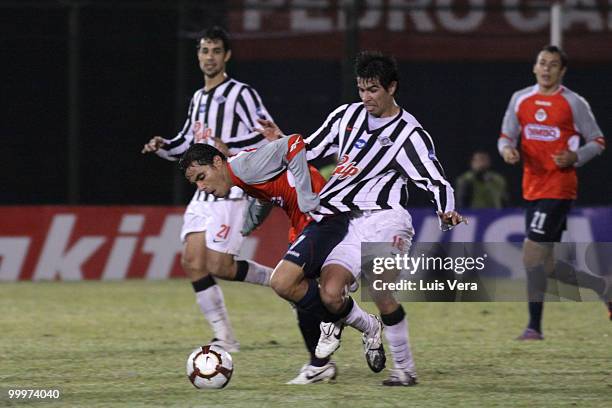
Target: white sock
column 360, row 319
column 258, row 274
column 212, row 305
column 399, row 344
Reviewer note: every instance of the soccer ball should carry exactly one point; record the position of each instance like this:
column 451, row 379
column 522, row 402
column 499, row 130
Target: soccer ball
column 209, row 367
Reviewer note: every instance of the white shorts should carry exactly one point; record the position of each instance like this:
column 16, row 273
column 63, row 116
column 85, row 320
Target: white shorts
column 389, row 226
column 222, row 220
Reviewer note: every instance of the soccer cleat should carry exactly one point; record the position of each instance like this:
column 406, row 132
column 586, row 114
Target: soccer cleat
column 310, row 374
column 329, row 341
column 373, row 347
column 400, row 378
column 231, row 346
column 530, row 334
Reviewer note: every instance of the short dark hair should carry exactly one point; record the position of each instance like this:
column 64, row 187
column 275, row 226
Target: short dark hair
column 199, row 153
column 375, row 65
column 556, row 50
column 216, row 33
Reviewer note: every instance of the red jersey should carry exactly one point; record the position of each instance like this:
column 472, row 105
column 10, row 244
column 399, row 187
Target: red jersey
column 281, row 191
column 548, row 124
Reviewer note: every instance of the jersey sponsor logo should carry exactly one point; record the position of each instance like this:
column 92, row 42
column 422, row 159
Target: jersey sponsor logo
column 296, row 144
column 542, row 132
column 345, row 168
column 543, row 103
column 360, row 143
column 541, row 115
column 200, row 132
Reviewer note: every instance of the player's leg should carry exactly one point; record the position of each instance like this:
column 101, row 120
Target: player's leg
column 294, row 279
column 396, row 333
column 224, row 242
column 335, row 279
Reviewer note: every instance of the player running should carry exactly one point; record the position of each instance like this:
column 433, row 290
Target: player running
column 380, row 147
column 549, row 119
column 224, row 113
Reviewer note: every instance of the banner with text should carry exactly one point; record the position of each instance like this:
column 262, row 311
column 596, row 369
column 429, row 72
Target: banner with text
column 74, row 243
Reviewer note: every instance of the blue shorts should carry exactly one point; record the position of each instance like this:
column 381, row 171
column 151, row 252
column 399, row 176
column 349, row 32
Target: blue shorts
column 314, row 244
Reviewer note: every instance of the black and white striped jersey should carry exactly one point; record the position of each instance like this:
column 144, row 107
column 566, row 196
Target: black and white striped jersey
column 375, row 165
column 229, row 112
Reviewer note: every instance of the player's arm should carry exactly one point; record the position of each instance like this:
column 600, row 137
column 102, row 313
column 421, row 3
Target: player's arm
column 255, row 215
column 173, row 149
column 269, row 161
column 510, row 132
column 417, row 161
column 250, row 110
column 595, row 143
column 325, row 140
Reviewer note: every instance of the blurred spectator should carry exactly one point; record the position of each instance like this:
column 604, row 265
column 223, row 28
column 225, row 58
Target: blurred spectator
column 481, row 187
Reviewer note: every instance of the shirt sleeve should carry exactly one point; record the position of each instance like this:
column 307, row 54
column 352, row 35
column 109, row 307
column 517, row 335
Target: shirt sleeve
column 587, row 126
column 511, row 128
column 325, row 141
column 417, row 161
column 173, row 149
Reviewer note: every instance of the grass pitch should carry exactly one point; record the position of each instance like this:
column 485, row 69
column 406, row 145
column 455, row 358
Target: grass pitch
column 125, row 344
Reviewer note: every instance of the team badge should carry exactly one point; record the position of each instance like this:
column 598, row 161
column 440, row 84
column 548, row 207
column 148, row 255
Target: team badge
column 385, row 140
column 220, row 99
column 359, row 144
column 541, row 115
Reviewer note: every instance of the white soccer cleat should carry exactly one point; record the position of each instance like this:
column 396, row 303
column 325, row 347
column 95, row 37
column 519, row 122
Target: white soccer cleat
column 310, row 374
column 231, row 346
column 329, row 341
column 373, row 347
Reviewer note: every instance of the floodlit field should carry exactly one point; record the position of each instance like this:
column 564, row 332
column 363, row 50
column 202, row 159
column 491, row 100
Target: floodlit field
column 125, row 344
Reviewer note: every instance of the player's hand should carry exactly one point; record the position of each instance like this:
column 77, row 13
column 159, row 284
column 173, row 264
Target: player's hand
column 451, row 218
column 511, row 155
column 565, row 158
column 154, row 144
column 269, row 129
column 221, row 146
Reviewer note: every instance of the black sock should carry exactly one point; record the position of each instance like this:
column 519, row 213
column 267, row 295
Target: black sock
column 310, row 311
column 346, row 309
column 242, row 268
column 393, row 318
column 203, row 283
column 535, row 316
column 310, row 329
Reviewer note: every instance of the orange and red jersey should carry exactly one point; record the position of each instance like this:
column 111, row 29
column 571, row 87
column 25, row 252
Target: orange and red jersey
column 548, row 124
column 279, row 173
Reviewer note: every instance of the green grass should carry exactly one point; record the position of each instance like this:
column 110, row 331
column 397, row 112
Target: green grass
column 125, row 344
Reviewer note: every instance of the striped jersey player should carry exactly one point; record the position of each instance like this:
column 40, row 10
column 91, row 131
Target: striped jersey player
column 380, row 147
column 224, row 113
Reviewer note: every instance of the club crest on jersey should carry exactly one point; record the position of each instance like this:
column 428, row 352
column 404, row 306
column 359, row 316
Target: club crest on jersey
column 220, row 99
column 385, row 140
column 360, row 143
column 345, row 168
column 541, row 115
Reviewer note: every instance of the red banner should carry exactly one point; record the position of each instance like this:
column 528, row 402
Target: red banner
column 74, row 243
column 419, row 29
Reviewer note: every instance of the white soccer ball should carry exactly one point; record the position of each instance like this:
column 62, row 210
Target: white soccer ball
column 209, row 367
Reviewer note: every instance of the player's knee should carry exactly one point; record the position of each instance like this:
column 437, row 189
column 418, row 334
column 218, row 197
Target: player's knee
column 193, row 266
column 282, row 286
column 220, row 267
column 332, row 298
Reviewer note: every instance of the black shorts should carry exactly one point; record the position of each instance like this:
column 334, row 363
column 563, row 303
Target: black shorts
column 313, row 245
column 546, row 219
